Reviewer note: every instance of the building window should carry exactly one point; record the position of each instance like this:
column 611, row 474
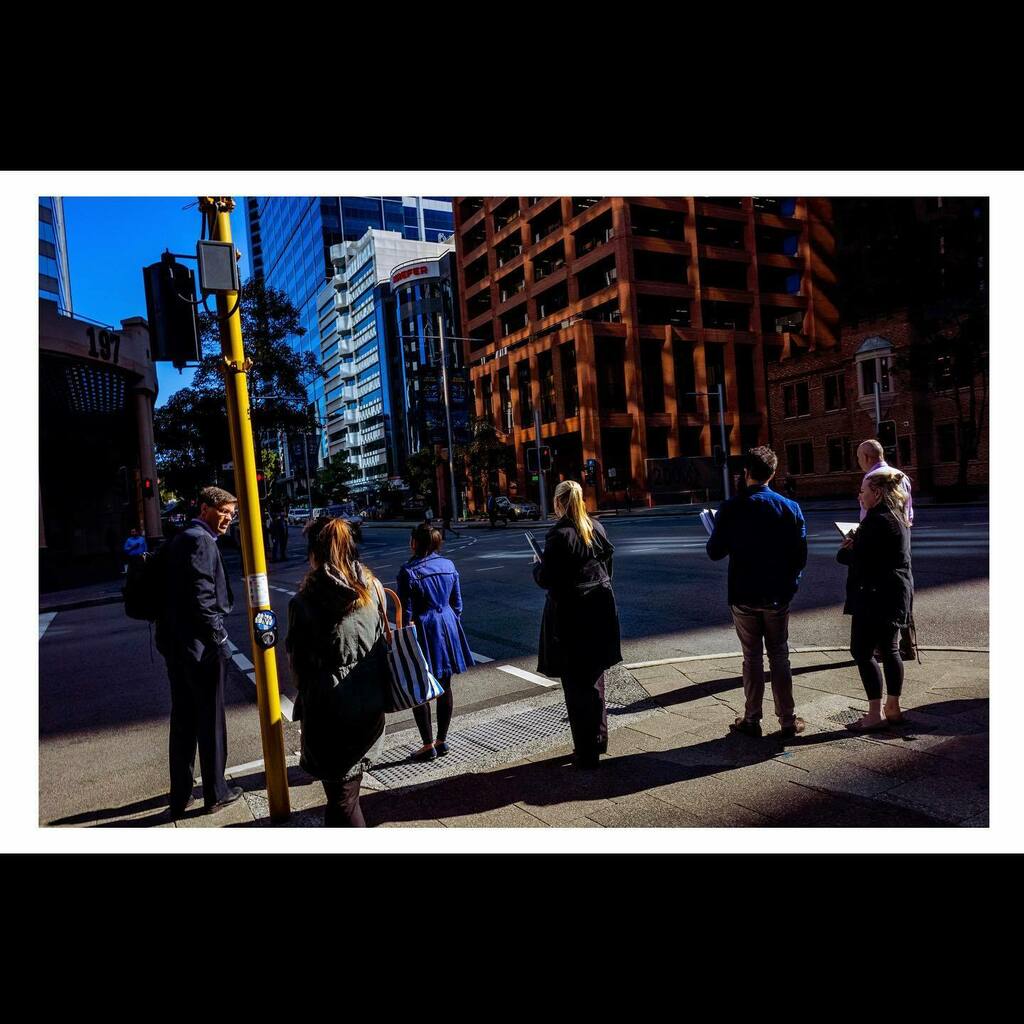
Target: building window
column 800, row 457
column 838, row 454
column 872, row 371
column 525, row 398
column 904, row 446
column 570, row 384
column 796, row 399
column 945, row 436
column 546, row 373
column 835, row 391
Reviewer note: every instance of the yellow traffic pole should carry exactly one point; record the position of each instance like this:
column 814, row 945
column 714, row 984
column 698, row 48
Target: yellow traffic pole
column 254, row 559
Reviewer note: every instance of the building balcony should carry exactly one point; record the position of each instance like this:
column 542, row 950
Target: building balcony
column 351, row 416
column 348, row 393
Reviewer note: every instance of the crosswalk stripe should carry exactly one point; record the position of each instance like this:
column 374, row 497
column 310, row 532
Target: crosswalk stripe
column 44, row 622
column 523, row 674
column 480, row 659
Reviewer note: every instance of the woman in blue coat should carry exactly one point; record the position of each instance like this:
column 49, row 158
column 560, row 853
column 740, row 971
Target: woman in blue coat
column 428, row 587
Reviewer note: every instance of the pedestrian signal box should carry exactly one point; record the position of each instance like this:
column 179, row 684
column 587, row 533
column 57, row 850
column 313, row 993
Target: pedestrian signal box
column 545, row 459
column 590, row 472
column 887, row 439
column 171, row 312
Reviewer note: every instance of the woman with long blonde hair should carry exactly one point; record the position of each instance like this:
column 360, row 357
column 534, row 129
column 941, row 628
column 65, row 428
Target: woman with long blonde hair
column 338, row 657
column 579, row 634
column 879, row 593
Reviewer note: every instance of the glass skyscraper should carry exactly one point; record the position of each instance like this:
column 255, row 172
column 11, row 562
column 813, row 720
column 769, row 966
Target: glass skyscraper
column 54, row 277
column 290, row 240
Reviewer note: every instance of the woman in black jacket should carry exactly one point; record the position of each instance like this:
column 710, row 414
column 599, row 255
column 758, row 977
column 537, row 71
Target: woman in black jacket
column 879, row 594
column 579, row 634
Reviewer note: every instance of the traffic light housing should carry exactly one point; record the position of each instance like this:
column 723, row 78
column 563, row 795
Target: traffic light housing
column 545, row 458
column 147, row 488
column 261, row 484
column 887, row 439
column 590, row 472
column 171, row 312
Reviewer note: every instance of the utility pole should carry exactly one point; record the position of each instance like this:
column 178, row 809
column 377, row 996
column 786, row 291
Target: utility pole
column 725, row 444
column 540, row 468
column 454, row 511
column 263, row 629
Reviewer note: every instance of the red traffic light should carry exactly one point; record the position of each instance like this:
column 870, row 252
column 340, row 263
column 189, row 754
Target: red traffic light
column 147, row 488
column 259, row 476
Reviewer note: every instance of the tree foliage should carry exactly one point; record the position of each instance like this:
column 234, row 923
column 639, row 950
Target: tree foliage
column 485, row 453
column 191, row 429
column 951, row 362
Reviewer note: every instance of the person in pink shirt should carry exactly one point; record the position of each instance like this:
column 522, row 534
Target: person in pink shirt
column 871, row 457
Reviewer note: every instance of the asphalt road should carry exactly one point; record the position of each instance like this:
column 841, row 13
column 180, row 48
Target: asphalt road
column 104, row 704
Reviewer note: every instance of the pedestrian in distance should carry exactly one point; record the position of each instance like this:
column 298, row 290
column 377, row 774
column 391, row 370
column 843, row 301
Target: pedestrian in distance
column 871, row 459
column 446, row 522
column 428, row 515
column 279, row 536
column 879, row 593
column 764, row 536
column 579, row 633
column 492, row 510
column 338, row 657
column 190, row 635
column 428, row 587
column 134, row 546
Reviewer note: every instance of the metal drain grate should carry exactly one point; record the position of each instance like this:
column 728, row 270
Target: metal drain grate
column 845, row 717
column 478, row 742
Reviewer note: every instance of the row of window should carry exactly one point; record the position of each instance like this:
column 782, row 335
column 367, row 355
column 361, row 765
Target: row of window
column 840, row 452
column 796, row 399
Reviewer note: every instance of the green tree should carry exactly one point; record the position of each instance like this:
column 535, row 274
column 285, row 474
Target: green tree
column 421, row 472
column 333, row 479
column 951, row 362
column 191, row 430
column 485, row 453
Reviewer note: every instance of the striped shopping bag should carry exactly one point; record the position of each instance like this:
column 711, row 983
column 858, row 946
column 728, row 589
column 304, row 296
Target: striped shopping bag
column 410, row 681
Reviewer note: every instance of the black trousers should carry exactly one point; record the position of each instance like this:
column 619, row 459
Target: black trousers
column 197, row 719
column 588, row 714
column 868, row 634
column 343, row 810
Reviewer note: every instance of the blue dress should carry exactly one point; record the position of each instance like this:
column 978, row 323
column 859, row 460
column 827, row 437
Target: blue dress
column 429, row 591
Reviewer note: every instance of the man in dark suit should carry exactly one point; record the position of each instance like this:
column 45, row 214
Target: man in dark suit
column 190, row 634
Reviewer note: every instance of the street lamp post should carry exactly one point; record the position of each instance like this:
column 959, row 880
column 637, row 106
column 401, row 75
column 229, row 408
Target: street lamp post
column 721, row 423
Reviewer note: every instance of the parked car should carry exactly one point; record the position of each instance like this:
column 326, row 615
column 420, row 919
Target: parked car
column 298, row 515
column 413, row 508
column 515, row 510
column 346, row 511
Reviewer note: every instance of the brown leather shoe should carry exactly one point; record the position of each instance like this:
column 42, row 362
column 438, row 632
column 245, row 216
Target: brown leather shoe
column 797, row 727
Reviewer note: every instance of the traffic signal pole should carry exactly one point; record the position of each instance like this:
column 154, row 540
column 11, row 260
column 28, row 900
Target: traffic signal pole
column 243, row 454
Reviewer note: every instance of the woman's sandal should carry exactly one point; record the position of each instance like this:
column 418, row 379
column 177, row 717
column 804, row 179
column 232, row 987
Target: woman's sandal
column 872, row 727
column 441, row 746
column 425, row 753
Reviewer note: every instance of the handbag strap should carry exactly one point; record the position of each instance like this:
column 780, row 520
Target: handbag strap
column 382, row 607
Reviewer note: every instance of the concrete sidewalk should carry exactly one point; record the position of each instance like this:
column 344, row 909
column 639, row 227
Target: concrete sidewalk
column 672, row 761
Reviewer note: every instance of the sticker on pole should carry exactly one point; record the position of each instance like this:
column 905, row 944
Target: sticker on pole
column 259, row 591
column 265, row 628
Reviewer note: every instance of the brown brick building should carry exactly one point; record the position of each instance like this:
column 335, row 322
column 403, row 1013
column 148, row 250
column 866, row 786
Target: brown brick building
column 603, row 313
column 904, row 264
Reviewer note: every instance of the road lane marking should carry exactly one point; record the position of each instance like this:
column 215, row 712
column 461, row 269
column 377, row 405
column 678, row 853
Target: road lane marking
column 480, row 659
column 287, row 707
column 523, row 674
column 242, row 662
column 489, row 568
column 44, row 622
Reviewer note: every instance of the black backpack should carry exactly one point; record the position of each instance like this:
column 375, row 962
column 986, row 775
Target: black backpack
column 145, row 588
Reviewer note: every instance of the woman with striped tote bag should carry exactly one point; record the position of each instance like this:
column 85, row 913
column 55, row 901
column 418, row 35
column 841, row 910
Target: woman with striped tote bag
column 410, row 681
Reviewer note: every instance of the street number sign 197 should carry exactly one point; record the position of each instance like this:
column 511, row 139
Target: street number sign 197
column 109, row 344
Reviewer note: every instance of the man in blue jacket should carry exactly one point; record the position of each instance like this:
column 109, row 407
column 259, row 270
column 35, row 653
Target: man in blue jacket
column 190, row 634
column 765, row 537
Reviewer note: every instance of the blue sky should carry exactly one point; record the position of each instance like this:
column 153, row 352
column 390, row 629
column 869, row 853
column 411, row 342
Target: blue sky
column 110, row 240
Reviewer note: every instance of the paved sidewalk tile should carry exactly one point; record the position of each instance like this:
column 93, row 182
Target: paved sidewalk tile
column 941, row 796
column 643, row 811
column 501, row 817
